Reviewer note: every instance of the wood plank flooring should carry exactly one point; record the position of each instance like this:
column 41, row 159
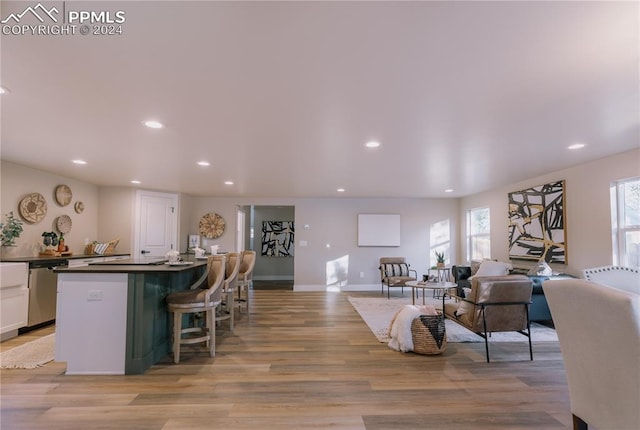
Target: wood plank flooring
column 300, row 361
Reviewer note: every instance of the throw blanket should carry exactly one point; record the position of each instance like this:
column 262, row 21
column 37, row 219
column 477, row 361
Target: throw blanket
column 400, row 331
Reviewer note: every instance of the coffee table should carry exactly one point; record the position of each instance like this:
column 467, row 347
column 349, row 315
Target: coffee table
column 440, row 287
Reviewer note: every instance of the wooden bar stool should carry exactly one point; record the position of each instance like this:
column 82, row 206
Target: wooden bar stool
column 196, row 300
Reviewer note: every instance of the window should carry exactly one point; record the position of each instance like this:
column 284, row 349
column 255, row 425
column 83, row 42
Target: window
column 625, row 220
column 478, row 234
column 440, row 241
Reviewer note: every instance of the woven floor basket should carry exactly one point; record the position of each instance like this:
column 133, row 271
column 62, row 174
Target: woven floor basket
column 429, row 334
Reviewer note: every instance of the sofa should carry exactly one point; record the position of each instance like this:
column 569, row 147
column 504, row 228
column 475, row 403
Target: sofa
column 539, row 309
column 598, row 328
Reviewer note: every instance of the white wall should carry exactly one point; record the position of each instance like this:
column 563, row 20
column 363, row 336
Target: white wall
column 333, row 222
column 18, row 181
column 588, row 211
column 116, row 216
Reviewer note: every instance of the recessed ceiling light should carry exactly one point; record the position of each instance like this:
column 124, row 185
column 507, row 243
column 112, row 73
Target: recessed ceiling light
column 204, row 163
column 576, row 146
column 136, row 182
column 78, row 162
column 153, row 124
column 340, row 190
column 228, row 182
column 448, row 190
column 372, row 144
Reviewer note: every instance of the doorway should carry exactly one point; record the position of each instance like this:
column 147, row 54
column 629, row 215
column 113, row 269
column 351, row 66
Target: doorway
column 270, row 271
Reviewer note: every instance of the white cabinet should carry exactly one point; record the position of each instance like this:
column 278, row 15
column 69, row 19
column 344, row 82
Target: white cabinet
column 78, row 262
column 91, row 327
column 14, row 298
column 117, row 257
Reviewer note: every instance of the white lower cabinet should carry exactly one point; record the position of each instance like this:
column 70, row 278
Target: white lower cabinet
column 91, row 327
column 14, row 298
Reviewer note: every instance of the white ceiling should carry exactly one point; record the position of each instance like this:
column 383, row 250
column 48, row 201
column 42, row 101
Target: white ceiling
column 280, row 97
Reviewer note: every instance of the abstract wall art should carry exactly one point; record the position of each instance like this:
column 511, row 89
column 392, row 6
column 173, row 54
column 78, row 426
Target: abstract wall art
column 537, row 223
column 278, row 238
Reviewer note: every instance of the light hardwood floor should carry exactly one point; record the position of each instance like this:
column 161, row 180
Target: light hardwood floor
column 300, row 361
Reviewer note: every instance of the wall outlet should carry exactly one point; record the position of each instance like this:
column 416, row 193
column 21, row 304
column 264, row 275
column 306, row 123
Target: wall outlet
column 94, row 295
column 362, row 274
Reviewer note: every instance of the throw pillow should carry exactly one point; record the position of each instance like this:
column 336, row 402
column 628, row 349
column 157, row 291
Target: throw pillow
column 475, row 265
column 464, row 308
column 493, row 268
column 392, row 270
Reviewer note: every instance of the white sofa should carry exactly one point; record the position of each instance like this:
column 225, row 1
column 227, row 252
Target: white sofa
column 598, row 328
column 624, row 278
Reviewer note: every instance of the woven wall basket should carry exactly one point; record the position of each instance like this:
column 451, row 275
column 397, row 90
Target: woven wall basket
column 429, row 334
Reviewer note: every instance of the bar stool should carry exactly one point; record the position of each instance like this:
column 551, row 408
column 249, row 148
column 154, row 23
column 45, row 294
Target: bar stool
column 226, row 309
column 245, row 276
column 195, row 300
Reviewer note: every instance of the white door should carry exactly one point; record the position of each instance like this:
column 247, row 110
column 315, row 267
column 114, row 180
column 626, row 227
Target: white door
column 156, row 223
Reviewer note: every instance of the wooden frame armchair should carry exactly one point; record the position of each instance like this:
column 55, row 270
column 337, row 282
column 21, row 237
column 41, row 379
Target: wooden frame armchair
column 494, row 304
column 395, row 272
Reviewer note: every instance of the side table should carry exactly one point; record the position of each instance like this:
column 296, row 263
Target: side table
column 443, row 274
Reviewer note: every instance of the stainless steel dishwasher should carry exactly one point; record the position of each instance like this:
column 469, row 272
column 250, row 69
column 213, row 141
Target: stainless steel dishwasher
column 43, row 284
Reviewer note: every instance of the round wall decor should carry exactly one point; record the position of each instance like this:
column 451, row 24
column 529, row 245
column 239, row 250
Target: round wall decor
column 63, row 195
column 33, row 207
column 79, row 207
column 212, row 225
column 63, row 222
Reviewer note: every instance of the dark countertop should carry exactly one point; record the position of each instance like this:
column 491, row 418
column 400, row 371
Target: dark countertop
column 133, row 266
column 38, row 259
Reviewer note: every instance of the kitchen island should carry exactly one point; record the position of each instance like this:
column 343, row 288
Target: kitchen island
column 112, row 317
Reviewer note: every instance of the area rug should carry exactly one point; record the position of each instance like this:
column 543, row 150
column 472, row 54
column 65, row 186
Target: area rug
column 30, row 355
column 377, row 313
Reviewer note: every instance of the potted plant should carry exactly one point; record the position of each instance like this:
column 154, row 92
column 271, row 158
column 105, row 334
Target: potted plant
column 10, row 230
column 440, row 259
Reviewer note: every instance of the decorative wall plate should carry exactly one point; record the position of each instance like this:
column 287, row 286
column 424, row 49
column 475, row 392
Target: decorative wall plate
column 212, row 225
column 79, row 207
column 33, row 207
column 63, row 195
column 63, row 222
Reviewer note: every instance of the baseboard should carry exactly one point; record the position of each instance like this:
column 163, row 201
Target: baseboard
column 273, row 278
column 333, row 288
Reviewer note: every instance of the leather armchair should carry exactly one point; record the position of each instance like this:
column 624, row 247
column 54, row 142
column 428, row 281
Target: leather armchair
column 539, row 309
column 461, row 275
column 495, row 304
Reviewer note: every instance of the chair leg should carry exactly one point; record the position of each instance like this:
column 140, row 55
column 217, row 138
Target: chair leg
column 211, row 328
column 177, row 329
column 231, row 308
column 248, row 291
column 529, row 333
column 579, row 424
column 486, row 339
